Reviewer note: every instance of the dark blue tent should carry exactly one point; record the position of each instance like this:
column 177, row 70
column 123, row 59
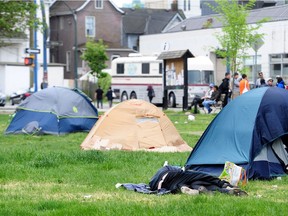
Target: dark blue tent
column 54, row 110
column 249, row 131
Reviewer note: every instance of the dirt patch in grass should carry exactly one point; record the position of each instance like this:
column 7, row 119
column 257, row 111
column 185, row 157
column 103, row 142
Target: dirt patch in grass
column 198, row 133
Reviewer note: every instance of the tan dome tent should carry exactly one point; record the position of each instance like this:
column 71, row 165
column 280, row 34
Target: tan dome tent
column 135, row 125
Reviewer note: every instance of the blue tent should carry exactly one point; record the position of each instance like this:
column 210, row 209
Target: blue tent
column 54, row 110
column 249, row 131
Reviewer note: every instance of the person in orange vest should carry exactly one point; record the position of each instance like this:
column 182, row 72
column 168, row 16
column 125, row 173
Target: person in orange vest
column 244, row 84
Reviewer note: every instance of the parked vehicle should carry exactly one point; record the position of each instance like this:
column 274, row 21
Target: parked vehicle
column 2, row 99
column 132, row 75
column 19, row 96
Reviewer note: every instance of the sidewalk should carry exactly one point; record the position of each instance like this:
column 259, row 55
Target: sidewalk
column 9, row 109
column 105, row 106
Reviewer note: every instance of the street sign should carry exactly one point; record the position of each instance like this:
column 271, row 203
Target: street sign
column 54, row 43
column 257, row 44
column 32, row 51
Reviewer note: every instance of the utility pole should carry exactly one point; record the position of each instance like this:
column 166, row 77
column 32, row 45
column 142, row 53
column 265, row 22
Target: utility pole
column 44, row 83
column 35, row 56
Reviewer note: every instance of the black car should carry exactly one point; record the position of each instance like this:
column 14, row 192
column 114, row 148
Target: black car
column 19, row 96
column 2, row 99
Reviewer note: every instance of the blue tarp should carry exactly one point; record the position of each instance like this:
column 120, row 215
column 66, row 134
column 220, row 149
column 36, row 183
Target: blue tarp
column 239, row 132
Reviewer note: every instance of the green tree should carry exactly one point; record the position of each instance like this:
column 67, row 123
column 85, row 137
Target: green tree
column 96, row 57
column 236, row 36
column 15, row 18
column 105, row 82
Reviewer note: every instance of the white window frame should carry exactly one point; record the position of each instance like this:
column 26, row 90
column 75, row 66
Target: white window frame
column 279, row 59
column 99, row 4
column 68, row 61
column 92, row 25
column 185, row 5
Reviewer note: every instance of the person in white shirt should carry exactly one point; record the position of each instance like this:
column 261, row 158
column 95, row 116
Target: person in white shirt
column 258, row 81
column 208, row 94
column 235, row 90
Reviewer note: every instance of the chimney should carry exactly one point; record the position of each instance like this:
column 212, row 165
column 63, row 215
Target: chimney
column 174, row 5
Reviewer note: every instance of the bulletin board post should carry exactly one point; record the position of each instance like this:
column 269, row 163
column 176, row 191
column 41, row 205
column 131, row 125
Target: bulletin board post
column 175, row 77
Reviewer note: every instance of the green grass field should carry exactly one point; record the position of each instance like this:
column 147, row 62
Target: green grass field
column 50, row 175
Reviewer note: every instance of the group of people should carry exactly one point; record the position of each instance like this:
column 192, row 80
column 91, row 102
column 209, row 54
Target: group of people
column 213, row 95
column 260, row 82
column 240, row 86
column 210, row 98
column 99, row 93
column 99, row 97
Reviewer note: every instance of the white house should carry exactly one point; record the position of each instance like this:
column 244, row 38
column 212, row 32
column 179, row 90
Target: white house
column 198, row 35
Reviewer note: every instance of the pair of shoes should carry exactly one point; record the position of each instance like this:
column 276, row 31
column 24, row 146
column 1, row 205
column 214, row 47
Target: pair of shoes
column 204, row 190
column 226, row 185
column 189, row 191
column 237, row 192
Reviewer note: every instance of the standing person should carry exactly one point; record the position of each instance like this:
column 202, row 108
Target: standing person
column 244, row 84
column 212, row 100
column 280, row 82
column 109, row 96
column 224, row 88
column 262, row 83
column 150, row 93
column 236, row 81
column 44, row 84
column 99, row 97
column 258, row 81
column 270, row 82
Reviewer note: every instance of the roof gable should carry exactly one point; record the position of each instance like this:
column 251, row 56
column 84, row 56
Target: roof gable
column 275, row 13
column 65, row 7
column 148, row 21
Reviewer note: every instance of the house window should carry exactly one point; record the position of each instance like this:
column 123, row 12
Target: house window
column 99, row 4
column 90, row 26
column 120, row 69
column 279, row 65
column 160, row 68
column 53, row 57
column 145, row 68
column 185, row 5
column 68, row 61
